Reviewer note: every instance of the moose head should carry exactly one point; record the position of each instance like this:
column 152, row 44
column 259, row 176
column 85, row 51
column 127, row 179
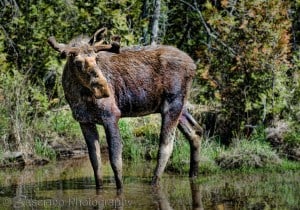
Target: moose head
column 83, row 60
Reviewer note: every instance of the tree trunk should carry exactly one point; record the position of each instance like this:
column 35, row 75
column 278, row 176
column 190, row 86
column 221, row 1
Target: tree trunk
column 155, row 22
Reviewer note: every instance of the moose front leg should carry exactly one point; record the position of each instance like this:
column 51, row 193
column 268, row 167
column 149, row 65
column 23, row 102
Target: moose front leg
column 91, row 137
column 114, row 142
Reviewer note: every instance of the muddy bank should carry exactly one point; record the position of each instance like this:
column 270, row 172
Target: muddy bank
column 21, row 159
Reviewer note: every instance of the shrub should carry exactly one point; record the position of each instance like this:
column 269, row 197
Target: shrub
column 22, row 105
column 246, row 61
column 245, row 154
column 210, row 149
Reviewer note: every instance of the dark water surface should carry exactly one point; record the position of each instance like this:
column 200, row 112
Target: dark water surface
column 70, row 185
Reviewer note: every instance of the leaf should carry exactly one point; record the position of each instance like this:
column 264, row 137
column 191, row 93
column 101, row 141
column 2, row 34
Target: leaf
column 209, row 6
column 224, row 3
column 244, row 24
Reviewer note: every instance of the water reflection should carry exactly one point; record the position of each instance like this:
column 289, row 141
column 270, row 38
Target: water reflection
column 70, row 185
column 163, row 202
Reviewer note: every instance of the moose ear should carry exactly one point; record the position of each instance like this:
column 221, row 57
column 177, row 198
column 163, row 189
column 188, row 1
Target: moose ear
column 98, row 36
column 115, row 44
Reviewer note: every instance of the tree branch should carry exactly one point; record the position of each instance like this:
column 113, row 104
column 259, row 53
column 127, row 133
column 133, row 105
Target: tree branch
column 207, row 28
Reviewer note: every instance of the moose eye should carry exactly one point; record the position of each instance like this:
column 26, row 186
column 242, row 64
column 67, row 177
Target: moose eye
column 78, row 64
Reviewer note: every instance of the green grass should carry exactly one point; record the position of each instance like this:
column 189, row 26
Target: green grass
column 248, row 154
column 180, row 158
column 42, row 149
column 140, row 137
column 141, row 140
column 132, row 149
column 63, row 124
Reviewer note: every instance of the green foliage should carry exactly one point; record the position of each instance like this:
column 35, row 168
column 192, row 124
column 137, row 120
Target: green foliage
column 26, row 28
column 210, row 149
column 20, row 106
column 180, row 158
column 140, row 137
column 148, row 133
column 246, row 61
column 245, row 154
column 292, row 136
column 64, row 125
column 132, row 149
column 42, row 149
column 26, row 121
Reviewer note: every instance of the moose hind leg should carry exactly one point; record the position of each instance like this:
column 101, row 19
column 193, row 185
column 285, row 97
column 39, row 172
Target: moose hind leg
column 170, row 115
column 91, row 137
column 192, row 131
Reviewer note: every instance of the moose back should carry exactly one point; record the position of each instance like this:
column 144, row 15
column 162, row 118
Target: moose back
column 103, row 82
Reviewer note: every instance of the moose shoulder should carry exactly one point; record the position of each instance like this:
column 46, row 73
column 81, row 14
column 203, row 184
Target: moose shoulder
column 103, row 83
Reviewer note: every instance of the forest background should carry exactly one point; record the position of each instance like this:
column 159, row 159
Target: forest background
column 245, row 94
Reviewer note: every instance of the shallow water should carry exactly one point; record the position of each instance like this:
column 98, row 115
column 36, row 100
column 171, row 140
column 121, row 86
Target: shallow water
column 70, row 185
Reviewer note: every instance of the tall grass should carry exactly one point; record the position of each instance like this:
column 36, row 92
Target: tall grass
column 140, row 137
column 27, row 124
column 20, row 107
column 42, row 149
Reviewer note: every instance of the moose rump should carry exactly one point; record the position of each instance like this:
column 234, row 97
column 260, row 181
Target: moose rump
column 103, row 83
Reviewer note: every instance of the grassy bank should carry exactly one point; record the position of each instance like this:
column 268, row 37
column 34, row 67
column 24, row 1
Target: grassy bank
column 32, row 126
column 57, row 130
column 141, row 139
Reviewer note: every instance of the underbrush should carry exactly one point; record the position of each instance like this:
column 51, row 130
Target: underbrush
column 141, row 140
column 246, row 154
column 140, row 137
column 30, row 124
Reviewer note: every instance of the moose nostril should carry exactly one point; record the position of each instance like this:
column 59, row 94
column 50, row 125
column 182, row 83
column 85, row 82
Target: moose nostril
column 96, row 85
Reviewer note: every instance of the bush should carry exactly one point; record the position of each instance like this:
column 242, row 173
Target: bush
column 246, row 61
column 210, row 149
column 180, row 158
column 27, row 125
column 62, row 123
column 22, row 105
column 245, row 154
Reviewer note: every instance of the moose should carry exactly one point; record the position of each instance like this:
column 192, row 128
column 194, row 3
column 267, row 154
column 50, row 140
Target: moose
column 104, row 82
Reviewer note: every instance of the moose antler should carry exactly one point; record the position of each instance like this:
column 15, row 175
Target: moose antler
column 95, row 44
column 113, row 47
column 61, row 48
column 98, row 36
column 56, row 46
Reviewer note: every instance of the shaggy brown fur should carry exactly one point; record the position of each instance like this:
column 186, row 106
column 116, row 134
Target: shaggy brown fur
column 102, row 84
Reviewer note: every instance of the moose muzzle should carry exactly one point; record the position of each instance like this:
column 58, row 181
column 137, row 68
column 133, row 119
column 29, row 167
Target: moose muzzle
column 98, row 83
